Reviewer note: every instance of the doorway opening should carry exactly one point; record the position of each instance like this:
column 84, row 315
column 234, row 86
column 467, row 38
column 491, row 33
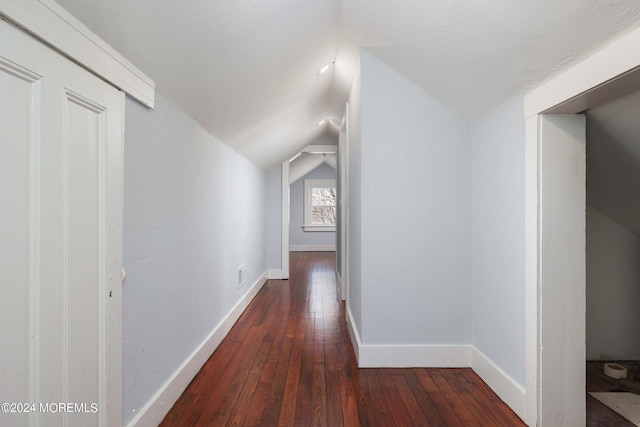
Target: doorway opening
column 613, row 261
column 309, row 199
column 555, row 259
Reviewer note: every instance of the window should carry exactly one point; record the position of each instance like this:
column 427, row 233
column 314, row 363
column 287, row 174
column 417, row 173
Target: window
column 319, row 205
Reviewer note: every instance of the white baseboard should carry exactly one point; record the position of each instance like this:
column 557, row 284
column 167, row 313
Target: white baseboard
column 155, row 410
column 353, row 334
column 414, row 356
column 406, row 356
column 512, row 393
column 275, row 274
column 339, row 280
column 312, row 248
column 439, row 356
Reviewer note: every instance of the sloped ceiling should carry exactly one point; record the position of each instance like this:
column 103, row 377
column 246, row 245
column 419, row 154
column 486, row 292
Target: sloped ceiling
column 613, row 160
column 247, row 69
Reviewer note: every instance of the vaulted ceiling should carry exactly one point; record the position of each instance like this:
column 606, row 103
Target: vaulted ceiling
column 247, row 70
column 613, row 160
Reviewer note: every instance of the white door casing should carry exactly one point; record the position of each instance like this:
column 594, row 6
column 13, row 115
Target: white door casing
column 61, row 171
column 343, row 153
column 606, row 75
column 562, row 198
column 285, row 213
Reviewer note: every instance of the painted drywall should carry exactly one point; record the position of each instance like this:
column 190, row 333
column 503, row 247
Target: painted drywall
column 415, row 213
column 354, row 187
column 613, row 160
column 327, row 138
column 303, row 164
column 248, row 70
column 297, row 235
column 194, row 212
column 613, row 289
column 497, row 255
column 274, row 218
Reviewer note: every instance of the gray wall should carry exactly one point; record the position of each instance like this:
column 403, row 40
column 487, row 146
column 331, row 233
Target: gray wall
column 498, row 292
column 613, row 290
column 297, row 235
column 613, row 227
column 415, row 214
column 194, row 212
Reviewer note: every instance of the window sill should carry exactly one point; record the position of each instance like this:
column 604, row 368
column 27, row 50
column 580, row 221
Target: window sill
column 319, row 227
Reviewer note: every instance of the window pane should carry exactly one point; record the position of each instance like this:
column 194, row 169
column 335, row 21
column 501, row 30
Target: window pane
column 323, row 215
column 323, row 196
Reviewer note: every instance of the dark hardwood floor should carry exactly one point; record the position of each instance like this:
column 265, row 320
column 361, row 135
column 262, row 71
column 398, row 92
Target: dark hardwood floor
column 288, row 361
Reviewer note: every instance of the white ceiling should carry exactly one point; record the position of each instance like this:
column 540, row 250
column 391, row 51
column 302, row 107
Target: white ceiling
column 247, row 69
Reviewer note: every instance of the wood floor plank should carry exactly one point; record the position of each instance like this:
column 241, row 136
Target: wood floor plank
column 459, row 381
column 393, row 399
column 408, row 397
column 304, row 410
column 422, row 398
column 446, row 411
column 454, row 397
column 485, row 397
column 276, row 383
column 290, row 394
column 377, row 402
column 288, row 361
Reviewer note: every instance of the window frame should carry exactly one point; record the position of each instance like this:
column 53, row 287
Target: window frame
column 309, row 185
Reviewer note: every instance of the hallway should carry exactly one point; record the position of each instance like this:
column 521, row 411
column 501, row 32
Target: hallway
column 288, row 361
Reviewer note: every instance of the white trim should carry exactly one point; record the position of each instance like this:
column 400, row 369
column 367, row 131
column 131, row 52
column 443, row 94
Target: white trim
column 585, row 79
column 49, row 22
column 445, row 356
column 511, row 393
column 344, row 202
column 320, row 149
column 321, row 228
column 406, row 356
column 439, row 356
column 531, row 269
column 275, row 274
column 353, row 334
column 285, row 213
column 309, row 185
column 312, row 248
column 414, row 356
column 155, row 410
column 603, row 76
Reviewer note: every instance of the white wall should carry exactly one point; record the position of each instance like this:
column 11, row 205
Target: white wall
column 415, row 213
column 274, row 218
column 194, row 212
column 498, row 300
column 325, row 139
column 613, row 290
column 297, row 235
column 354, row 299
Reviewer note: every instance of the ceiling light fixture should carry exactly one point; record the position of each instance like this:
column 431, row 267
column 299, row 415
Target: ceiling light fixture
column 325, row 67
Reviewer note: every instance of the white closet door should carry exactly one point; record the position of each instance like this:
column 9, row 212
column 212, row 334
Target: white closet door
column 61, row 160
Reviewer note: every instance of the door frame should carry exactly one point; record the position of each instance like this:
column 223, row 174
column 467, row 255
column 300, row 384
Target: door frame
column 285, row 214
column 49, row 22
column 604, row 76
column 343, row 154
